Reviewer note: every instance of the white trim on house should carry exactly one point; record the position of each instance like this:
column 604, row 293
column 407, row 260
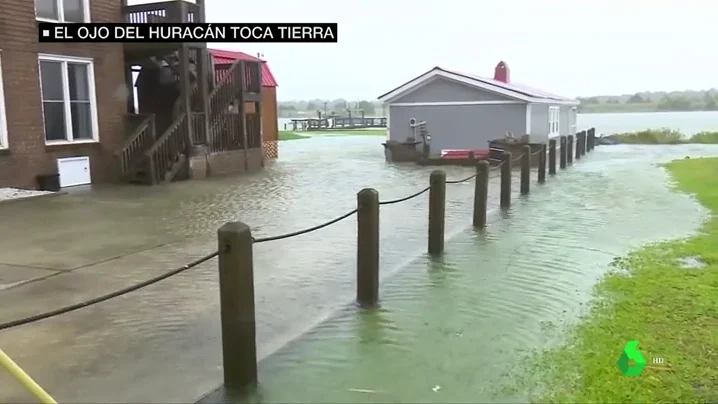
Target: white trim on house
column 4, row 141
column 528, row 118
column 554, row 121
column 61, row 12
column 437, row 72
column 66, row 97
column 573, row 116
column 452, row 103
column 387, row 108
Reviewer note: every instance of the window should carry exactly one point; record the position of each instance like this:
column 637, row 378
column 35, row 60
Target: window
column 63, row 10
column 3, row 121
column 68, row 99
column 554, row 114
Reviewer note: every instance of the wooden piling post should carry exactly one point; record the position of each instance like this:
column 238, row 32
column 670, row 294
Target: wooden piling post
column 526, row 171
column 592, row 139
column 562, row 155
column 437, row 210
column 368, row 247
column 542, row 165
column 586, row 146
column 552, row 157
column 236, row 296
column 580, row 144
column 506, row 180
column 569, row 149
column 481, row 192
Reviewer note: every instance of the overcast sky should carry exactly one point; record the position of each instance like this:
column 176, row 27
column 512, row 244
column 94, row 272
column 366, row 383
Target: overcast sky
column 569, row 47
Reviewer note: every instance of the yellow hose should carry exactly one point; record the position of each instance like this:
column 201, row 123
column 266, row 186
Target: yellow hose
column 25, row 379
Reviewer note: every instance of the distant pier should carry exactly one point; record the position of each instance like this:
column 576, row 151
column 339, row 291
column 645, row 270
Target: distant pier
column 335, row 123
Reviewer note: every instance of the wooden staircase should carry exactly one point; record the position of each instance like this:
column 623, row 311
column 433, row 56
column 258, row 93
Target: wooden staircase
column 148, row 157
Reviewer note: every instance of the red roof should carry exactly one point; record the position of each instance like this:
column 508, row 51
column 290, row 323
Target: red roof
column 224, row 57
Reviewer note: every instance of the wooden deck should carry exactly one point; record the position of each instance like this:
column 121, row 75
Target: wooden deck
column 337, row 123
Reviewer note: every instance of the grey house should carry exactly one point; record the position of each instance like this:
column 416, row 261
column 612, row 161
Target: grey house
column 465, row 112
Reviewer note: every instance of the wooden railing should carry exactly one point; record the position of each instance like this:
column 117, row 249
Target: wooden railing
column 253, row 77
column 229, row 134
column 199, row 136
column 252, row 72
column 223, row 99
column 166, row 12
column 227, row 92
column 167, row 149
column 195, row 97
column 226, row 125
column 139, row 140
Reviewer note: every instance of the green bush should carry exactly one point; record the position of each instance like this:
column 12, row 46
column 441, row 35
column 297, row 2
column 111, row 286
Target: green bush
column 705, row 138
column 651, row 136
column 665, row 136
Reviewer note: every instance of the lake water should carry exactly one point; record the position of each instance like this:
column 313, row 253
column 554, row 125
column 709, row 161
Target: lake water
column 686, row 122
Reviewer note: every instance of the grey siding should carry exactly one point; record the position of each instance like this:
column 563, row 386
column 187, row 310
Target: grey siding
column 459, row 126
column 444, row 90
column 539, row 123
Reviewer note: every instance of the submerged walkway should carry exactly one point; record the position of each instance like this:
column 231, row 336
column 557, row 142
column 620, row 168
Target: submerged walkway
column 161, row 344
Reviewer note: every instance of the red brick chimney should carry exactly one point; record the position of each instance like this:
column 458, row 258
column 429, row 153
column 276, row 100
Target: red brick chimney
column 502, row 73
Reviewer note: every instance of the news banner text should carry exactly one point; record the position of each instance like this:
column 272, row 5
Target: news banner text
column 187, row 32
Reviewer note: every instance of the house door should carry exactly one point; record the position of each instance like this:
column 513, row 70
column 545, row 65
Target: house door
column 74, row 171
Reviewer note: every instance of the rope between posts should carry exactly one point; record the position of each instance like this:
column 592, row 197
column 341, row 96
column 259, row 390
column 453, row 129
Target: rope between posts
column 463, row 180
column 496, row 167
column 406, row 198
column 305, row 231
column 518, row 158
column 537, row 152
column 99, row 299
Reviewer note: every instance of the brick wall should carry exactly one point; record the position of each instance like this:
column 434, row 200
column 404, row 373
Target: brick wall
column 28, row 155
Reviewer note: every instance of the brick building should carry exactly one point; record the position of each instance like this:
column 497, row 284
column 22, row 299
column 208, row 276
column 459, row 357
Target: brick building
column 70, row 109
column 49, row 106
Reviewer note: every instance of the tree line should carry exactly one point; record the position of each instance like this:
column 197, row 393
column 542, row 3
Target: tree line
column 705, row 100
column 653, row 101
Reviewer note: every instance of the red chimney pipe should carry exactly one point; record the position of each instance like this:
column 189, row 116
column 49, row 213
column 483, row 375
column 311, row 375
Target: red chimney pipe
column 502, row 73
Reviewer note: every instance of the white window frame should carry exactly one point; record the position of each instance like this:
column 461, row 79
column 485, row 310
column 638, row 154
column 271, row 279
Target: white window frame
column 554, row 121
column 574, row 119
column 61, row 12
column 66, row 98
column 4, row 141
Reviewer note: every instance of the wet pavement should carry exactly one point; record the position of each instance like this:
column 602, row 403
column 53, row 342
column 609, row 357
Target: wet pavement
column 162, row 343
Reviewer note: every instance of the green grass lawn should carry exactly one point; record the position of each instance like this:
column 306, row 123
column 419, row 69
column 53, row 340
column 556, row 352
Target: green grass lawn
column 672, row 311
column 292, row 135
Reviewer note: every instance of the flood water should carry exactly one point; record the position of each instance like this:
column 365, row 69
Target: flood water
column 460, row 323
